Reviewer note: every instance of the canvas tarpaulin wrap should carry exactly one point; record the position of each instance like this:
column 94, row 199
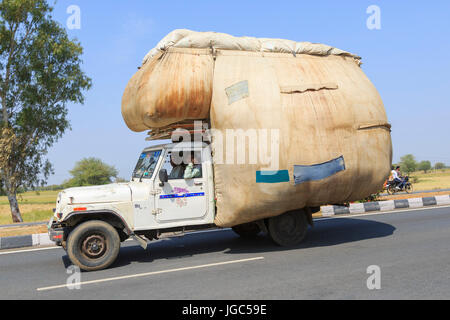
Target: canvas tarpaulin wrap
column 327, row 118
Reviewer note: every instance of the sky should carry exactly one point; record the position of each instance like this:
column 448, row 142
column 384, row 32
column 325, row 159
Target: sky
column 407, row 59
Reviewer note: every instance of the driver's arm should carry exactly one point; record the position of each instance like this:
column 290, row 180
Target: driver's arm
column 191, row 172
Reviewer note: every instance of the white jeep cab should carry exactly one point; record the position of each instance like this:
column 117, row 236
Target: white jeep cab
column 90, row 222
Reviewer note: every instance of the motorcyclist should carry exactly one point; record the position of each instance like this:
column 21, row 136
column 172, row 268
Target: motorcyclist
column 398, row 183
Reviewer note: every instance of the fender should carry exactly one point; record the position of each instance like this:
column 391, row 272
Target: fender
column 100, row 212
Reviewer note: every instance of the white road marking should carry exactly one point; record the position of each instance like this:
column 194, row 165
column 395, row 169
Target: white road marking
column 151, row 273
column 29, row 250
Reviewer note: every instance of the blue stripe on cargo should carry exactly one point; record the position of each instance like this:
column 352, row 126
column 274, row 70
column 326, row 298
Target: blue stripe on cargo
column 184, row 195
column 399, row 204
column 429, row 201
column 272, row 176
column 318, row 171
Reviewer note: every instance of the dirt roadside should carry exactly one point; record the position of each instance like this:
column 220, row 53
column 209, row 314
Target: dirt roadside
column 404, row 195
column 22, row 230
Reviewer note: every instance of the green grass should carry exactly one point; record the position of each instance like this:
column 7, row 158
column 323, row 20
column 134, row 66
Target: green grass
column 33, row 216
column 33, row 197
column 432, row 180
column 33, row 206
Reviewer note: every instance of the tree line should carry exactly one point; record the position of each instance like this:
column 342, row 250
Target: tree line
column 409, row 164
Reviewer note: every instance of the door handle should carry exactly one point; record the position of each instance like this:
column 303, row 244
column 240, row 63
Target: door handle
column 198, row 183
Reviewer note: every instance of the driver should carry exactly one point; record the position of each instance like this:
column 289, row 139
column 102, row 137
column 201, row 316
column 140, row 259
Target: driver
column 178, row 169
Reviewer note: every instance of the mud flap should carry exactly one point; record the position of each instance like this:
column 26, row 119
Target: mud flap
column 142, row 242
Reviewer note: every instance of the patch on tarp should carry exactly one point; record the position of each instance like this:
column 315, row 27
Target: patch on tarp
column 237, row 91
column 272, row 176
column 318, row 171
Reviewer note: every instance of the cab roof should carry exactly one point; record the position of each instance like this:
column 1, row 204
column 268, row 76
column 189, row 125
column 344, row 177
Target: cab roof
column 179, row 145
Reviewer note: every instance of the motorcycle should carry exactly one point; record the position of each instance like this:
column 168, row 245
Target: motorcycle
column 393, row 187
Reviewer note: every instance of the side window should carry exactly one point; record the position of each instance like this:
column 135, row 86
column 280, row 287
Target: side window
column 198, row 162
column 176, row 163
column 174, row 170
column 194, row 165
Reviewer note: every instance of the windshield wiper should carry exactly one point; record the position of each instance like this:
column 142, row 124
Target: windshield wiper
column 146, row 169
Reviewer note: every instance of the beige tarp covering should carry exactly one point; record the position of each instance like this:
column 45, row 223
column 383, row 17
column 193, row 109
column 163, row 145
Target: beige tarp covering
column 329, row 120
column 183, row 38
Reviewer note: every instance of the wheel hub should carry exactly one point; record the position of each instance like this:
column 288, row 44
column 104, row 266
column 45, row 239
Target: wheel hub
column 94, row 246
column 287, row 225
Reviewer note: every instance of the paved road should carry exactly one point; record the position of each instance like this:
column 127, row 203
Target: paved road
column 412, row 248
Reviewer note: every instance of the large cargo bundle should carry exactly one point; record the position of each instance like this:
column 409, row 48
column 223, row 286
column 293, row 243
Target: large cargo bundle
column 310, row 103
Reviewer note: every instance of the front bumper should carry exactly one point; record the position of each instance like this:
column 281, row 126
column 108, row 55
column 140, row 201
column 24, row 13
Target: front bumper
column 57, row 233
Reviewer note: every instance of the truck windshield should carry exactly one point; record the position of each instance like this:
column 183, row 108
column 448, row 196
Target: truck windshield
column 146, row 164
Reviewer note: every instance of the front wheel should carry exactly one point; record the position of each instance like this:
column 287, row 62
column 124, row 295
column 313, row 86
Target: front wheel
column 408, row 188
column 93, row 245
column 288, row 229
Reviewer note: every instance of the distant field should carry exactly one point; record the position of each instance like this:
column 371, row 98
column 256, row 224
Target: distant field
column 432, row 180
column 34, row 207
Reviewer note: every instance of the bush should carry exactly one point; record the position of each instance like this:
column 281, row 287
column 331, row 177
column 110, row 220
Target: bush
column 372, row 197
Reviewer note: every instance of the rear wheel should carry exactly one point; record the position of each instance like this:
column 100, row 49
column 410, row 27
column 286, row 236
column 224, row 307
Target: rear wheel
column 390, row 189
column 247, row 230
column 288, row 229
column 93, row 245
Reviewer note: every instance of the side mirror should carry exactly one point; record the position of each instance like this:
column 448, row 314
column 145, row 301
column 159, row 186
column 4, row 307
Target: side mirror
column 163, row 177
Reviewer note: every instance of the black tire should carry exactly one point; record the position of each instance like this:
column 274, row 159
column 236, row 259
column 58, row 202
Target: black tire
column 93, row 245
column 247, row 230
column 390, row 189
column 288, row 229
column 409, row 188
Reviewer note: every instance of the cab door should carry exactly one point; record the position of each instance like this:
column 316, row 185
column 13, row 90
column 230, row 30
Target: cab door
column 181, row 199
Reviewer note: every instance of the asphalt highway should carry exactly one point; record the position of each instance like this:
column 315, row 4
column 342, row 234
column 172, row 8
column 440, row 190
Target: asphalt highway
column 410, row 248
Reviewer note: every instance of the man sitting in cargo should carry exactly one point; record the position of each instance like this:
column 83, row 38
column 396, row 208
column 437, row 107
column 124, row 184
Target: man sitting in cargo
column 193, row 169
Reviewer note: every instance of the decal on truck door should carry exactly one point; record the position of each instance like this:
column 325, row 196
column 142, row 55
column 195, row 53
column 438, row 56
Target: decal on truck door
column 184, row 195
